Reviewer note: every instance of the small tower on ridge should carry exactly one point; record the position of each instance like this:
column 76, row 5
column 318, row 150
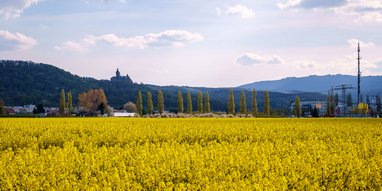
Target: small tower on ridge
column 117, row 73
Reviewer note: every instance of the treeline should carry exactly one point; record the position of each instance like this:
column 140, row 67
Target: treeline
column 94, row 102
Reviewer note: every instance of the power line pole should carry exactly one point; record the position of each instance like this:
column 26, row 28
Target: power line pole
column 343, row 88
column 359, row 73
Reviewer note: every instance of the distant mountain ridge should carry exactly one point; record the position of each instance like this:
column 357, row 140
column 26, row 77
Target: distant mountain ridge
column 369, row 84
column 25, row 82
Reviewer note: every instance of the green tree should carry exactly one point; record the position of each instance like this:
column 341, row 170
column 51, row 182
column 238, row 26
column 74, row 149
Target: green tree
column 315, row 112
column 189, row 103
column 267, row 106
column 255, row 110
column 330, row 104
column 39, row 109
column 297, row 107
column 139, row 103
column 2, row 105
column 336, row 99
column 150, row 105
column 349, row 100
column 207, row 106
column 200, row 102
column 62, row 102
column 180, row 102
column 160, row 102
column 243, row 103
column 379, row 105
column 70, row 102
column 231, row 102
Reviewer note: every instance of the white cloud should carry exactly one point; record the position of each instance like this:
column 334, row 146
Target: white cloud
column 370, row 17
column 14, row 8
column 17, row 40
column 73, row 46
column 288, row 4
column 237, row 10
column 348, row 65
column 105, row 1
column 219, row 12
column 252, row 59
column 362, row 10
column 305, row 64
column 344, row 65
column 174, row 38
column 354, row 43
column 311, row 4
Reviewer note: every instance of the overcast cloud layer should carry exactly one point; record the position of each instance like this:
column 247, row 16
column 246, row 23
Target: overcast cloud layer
column 212, row 43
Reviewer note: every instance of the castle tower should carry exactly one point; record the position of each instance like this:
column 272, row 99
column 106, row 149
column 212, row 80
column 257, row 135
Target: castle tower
column 117, row 73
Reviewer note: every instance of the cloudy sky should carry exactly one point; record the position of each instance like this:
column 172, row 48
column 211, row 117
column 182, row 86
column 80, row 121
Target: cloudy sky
column 212, row 43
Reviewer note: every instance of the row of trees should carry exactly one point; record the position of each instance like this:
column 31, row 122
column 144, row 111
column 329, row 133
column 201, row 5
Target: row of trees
column 202, row 106
column 243, row 103
column 95, row 100
column 90, row 102
column 66, row 103
column 138, row 106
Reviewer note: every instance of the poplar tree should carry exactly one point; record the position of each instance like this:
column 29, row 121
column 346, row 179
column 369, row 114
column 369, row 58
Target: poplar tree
column 336, row 99
column 160, row 102
column 255, row 110
column 2, row 109
column 297, row 107
column 139, row 103
column 231, row 102
column 243, row 103
column 379, row 105
column 330, row 104
column 180, row 102
column 70, row 103
column 349, row 100
column 267, row 107
column 150, row 105
column 189, row 103
column 62, row 102
column 207, row 106
column 200, row 102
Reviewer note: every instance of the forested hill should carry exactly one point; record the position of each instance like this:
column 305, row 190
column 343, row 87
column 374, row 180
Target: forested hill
column 370, row 85
column 23, row 82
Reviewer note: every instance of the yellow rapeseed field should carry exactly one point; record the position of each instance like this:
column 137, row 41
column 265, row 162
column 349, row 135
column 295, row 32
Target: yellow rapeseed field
column 190, row 154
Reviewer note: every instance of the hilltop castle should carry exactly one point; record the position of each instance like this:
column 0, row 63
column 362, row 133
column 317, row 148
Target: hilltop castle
column 119, row 78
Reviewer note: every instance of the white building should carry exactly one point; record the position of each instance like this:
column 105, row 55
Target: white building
column 320, row 105
column 122, row 113
column 23, row 109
